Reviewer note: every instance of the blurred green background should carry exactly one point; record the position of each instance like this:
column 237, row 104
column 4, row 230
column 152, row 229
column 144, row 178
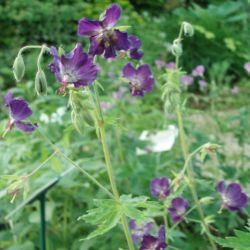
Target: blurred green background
column 221, row 44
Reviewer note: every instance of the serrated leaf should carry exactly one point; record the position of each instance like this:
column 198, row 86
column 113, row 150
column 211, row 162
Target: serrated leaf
column 240, row 241
column 133, row 213
column 106, row 216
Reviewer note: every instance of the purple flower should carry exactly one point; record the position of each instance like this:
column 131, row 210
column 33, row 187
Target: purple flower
column 234, row 90
column 76, row 67
column 150, row 242
column 104, row 38
column 232, row 196
column 134, row 46
column 198, row 70
column 139, row 230
column 202, row 84
column 141, row 79
column 178, row 209
column 19, row 111
column 160, row 188
column 187, row 80
column 247, row 67
column 160, row 64
column 171, row 65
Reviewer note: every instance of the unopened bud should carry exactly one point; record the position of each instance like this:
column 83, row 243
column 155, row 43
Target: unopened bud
column 40, row 83
column 206, row 200
column 18, row 68
column 188, row 29
column 177, row 48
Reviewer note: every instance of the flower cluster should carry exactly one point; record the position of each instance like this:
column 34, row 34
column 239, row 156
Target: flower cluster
column 105, row 39
column 160, row 188
column 78, row 68
column 160, row 64
column 197, row 74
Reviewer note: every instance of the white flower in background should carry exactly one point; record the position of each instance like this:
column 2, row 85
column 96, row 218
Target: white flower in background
column 55, row 117
column 159, row 141
column 44, row 118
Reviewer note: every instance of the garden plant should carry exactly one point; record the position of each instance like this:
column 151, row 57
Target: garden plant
column 179, row 199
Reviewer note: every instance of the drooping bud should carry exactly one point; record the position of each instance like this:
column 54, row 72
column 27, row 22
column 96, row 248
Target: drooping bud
column 188, row 29
column 40, row 83
column 177, row 47
column 208, row 148
column 18, row 68
column 206, row 200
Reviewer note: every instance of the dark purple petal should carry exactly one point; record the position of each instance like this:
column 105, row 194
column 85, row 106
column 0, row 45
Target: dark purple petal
column 238, row 201
column 232, row 196
column 233, row 190
column 179, row 203
column 111, row 16
column 56, row 64
column 148, row 84
column 160, row 187
column 178, row 209
column 129, row 71
column 221, row 186
column 132, row 224
column 161, row 233
column 8, row 98
column 148, row 242
column 19, row 109
column 26, row 127
column 76, row 58
column 139, row 230
column 110, row 52
column 144, row 72
column 135, row 54
column 96, row 46
column 87, row 27
column 121, row 40
column 134, row 42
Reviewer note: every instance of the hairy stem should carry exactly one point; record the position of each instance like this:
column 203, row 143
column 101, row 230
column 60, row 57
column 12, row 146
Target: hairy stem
column 106, row 153
column 184, row 147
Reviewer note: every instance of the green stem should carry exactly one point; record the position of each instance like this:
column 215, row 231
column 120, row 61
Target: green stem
column 42, row 164
column 165, row 218
column 32, row 47
column 39, row 59
column 184, row 147
column 106, row 153
column 5, row 133
column 90, row 177
column 177, row 59
column 84, row 172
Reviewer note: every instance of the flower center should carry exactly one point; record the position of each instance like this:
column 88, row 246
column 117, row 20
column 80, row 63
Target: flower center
column 69, row 76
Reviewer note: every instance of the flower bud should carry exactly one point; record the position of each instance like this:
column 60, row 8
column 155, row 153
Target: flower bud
column 177, row 48
column 206, row 200
column 40, row 83
column 18, row 68
column 188, row 29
